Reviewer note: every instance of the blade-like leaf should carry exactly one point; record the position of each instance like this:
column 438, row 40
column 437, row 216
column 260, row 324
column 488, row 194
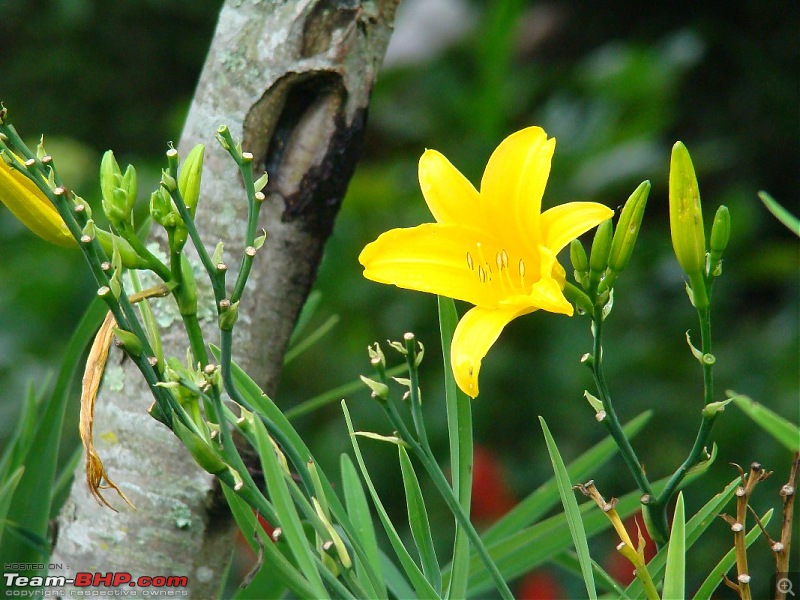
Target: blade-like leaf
column 421, row 585
column 275, row 562
column 287, row 513
column 29, row 505
column 459, row 429
column 264, row 405
column 541, row 501
column 358, row 509
column 780, row 213
column 571, row 511
column 675, row 570
column 418, row 521
column 785, row 432
column 569, row 561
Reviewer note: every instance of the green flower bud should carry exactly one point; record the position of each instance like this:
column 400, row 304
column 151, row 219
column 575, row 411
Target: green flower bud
column 202, row 452
column 580, row 262
column 110, row 176
column 628, row 228
column 168, row 181
column 685, row 212
column 598, row 258
column 187, row 296
column 130, row 185
column 130, row 259
column 228, row 314
column 129, row 341
column 189, row 178
column 160, row 206
column 720, row 234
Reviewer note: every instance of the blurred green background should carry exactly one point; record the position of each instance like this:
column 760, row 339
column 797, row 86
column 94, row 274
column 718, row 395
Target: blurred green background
column 615, row 82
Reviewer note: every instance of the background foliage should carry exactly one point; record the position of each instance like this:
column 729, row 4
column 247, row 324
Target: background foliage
column 616, row 84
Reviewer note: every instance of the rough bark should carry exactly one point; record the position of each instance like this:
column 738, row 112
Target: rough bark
column 292, row 79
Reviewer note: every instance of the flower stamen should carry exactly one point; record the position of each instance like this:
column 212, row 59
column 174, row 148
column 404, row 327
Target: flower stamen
column 469, row 262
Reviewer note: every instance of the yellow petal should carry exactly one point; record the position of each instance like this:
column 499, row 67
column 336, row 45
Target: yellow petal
column 428, row 258
column 450, row 196
column 513, row 184
column 547, row 293
column 27, row 203
column 563, row 223
column 475, row 333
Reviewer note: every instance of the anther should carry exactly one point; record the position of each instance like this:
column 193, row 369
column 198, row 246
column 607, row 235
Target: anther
column 469, row 262
column 504, row 257
column 481, row 274
column 498, row 261
column 521, row 268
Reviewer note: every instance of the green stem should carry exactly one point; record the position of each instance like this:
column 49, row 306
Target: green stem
column 154, row 264
column 440, row 481
column 253, row 206
column 707, row 422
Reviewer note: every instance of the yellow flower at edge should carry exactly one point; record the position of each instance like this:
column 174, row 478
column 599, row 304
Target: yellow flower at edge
column 27, row 203
column 494, row 248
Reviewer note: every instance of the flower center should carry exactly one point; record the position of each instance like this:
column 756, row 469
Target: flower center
column 506, row 277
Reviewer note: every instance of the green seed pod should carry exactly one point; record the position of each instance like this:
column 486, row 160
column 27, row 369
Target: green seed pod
column 189, row 178
column 685, row 213
column 630, row 222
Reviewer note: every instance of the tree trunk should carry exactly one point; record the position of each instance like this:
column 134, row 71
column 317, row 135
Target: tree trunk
column 292, row 79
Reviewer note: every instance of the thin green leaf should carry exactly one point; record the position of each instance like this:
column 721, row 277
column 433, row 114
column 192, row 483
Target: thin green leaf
column 274, row 561
column 519, row 553
column 306, row 314
column 571, row 511
column 7, row 488
column 358, row 510
column 545, row 498
column 459, row 429
column 569, row 561
column 264, row 405
column 421, row 585
column 336, row 394
column 395, row 581
column 63, row 483
column 785, row 432
column 714, row 578
column 287, row 513
column 29, row 505
column 694, row 529
column 418, row 521
column 780, row 213
column 675, row 570
column 310, row 340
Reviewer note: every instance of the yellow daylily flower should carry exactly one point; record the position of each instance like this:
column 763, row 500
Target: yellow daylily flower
column 28, row 204
column 494, row 248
